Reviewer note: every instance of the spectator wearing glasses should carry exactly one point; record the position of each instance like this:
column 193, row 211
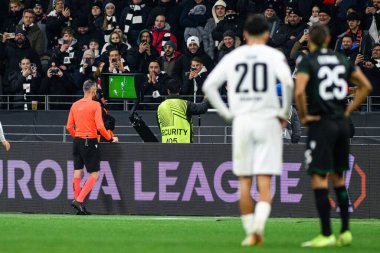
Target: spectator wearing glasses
column 371, row 68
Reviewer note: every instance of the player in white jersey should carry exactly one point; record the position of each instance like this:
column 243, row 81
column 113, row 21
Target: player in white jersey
column 251, row 72
column 3, row 140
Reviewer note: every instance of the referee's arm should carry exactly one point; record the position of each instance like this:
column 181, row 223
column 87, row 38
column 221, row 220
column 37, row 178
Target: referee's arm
column 70, row 123
column 100, row 125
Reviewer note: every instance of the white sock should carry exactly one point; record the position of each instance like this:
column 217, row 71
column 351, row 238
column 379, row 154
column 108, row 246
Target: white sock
column 248, row 220
column 262, row 212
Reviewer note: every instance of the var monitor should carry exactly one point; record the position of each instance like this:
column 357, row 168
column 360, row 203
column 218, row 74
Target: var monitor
column 122, row 86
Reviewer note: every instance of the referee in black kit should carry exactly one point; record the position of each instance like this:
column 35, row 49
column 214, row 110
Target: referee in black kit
column 86, row 116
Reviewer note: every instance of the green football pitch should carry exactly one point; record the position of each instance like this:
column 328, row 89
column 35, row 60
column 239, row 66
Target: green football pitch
column 29, row 233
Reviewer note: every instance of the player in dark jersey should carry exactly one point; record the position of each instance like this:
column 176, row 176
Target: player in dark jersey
column 321, row 89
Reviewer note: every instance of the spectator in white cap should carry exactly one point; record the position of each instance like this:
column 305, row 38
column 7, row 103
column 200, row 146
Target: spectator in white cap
column 194, row 49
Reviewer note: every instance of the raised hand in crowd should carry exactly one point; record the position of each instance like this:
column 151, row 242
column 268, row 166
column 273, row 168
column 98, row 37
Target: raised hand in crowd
column 64, row 47
column 305, row 37
column 152, row 77
column 66, row 12
column 26, row 72
column 359, row 59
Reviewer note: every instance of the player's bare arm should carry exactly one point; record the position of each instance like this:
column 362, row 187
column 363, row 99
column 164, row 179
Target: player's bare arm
column 300, row 96
column 363, row 89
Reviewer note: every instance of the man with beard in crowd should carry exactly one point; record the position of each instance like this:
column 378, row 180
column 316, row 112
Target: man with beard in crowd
column 285, row 37
column 170, row 57
column 12, row 51
column 194, row 49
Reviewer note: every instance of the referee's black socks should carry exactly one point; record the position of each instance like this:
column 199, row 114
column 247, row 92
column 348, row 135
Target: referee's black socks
column 343, row 202
column 323, row 208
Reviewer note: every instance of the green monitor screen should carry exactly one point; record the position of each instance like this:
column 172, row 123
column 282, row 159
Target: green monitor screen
column 122, row 86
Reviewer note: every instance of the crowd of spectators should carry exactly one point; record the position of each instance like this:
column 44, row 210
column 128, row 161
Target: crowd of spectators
column 49, row 47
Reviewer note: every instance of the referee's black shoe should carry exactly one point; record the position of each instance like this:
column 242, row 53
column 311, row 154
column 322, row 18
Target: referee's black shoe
column 79, row 207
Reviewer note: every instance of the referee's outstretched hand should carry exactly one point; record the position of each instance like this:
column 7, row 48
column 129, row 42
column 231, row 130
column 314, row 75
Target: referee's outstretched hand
column 115, row 139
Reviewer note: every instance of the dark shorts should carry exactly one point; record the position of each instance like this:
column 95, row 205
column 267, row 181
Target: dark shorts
column 327, row 147
column 86, row 154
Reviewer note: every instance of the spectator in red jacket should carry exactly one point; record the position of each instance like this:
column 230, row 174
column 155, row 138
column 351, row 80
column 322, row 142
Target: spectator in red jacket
column 161, row 34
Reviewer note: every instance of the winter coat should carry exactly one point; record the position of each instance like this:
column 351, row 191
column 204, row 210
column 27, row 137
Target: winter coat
column 158, row 37
column 183, row 63
column 54, row 24
column 223, row 50
column 36, row 38
column 11, row 21
column 172, row 12
column 71, row 58
column 12, row 55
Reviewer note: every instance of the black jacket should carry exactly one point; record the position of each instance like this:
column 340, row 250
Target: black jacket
column 159, row 86
column 184, row 62
column 17, row 81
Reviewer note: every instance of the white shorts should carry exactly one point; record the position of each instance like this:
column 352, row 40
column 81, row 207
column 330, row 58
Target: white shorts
column 257, row 146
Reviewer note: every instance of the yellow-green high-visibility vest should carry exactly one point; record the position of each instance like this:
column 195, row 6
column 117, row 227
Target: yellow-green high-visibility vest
column 172, row 119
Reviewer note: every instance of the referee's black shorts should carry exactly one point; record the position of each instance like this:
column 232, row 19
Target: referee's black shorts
column 327, row 146
column 86, row 153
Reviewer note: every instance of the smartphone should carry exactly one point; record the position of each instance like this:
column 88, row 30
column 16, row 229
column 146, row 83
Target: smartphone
column 114, row 60
column 88, row 61
column 11, row 35
column 306, row 31
column 33, row 66
column 54, row 72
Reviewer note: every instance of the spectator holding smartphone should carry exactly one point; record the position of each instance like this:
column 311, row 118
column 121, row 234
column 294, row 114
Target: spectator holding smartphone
column 24, row 83
column 86, row 70
column 57, row 19
column 57, row 82
column 68, row 52
column 140, row 55
column 115, row 64
column 11, row 53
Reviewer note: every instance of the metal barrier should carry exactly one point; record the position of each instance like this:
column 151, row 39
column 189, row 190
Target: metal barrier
column 126, row 134
column 48, row 101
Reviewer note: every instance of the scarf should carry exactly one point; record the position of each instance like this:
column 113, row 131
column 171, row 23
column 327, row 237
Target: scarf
column 134, row 17
column 109, row 26
column 357, row 37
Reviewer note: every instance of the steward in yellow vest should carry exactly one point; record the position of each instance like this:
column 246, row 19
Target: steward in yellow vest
column 174, row 116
